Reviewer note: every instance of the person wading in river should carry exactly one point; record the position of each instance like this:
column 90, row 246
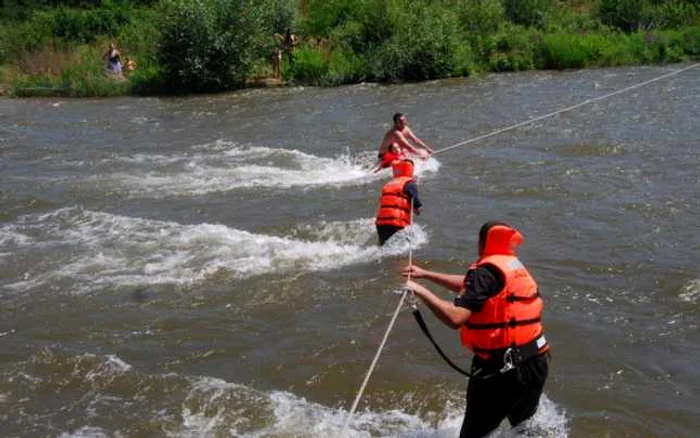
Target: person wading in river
column 498, row 312
column 401, row 134
column 398, row 196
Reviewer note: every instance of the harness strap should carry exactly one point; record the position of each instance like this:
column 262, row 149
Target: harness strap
column 522, row 352
column 473, row 375
column 513, row 298
column 512, row 323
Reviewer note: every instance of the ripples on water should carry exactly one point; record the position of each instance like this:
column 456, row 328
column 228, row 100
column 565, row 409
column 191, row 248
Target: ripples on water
column 208, row 267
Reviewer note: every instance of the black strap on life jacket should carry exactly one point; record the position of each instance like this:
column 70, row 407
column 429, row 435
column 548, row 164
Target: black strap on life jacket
column 421, row 322
column 521, row 354
column 512, row 323
column 475, row 375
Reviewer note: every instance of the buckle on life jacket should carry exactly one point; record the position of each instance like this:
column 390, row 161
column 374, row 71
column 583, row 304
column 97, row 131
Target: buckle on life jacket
column 513, row 356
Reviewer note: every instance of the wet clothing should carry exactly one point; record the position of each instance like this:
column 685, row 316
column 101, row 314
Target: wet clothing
column 481, row 284
column 394, row 214
column 514, row 395
column 384, row 232
column 511, row 318
column 388, row 158
column 498, row 287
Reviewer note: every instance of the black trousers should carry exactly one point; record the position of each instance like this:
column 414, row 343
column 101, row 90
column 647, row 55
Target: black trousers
column 513, row 395
column 384, row 232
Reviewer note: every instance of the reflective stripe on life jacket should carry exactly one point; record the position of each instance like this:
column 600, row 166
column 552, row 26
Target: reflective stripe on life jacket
column 510, row 318
column 395, row 204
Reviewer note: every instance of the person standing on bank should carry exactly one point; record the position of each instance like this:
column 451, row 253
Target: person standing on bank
column 114, row 60
column 398, row 195
column 401, row 134
column 288, row 43
column 498, row 312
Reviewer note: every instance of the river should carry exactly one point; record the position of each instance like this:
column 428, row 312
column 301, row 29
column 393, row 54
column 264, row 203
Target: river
column 207, row 266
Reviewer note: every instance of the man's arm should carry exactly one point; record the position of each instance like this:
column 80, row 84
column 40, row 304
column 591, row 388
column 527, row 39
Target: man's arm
column 455, row 283
column 417, row 140
column 451, row 315
column 411, row 189
column 404, row 143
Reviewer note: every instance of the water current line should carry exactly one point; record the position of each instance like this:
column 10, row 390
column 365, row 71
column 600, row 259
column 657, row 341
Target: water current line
column 386, row 335
column 570, row 108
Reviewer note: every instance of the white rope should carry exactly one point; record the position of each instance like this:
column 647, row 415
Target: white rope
column 481, row 137
column 386, row 336
column 371, row 367
column 570, row 108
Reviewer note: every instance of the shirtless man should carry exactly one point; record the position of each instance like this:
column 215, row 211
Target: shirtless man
column 402, row 135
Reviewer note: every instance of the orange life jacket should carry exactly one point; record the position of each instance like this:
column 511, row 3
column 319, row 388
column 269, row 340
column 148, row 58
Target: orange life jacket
column 389, row 157
column 513, row 316
column 395, row 204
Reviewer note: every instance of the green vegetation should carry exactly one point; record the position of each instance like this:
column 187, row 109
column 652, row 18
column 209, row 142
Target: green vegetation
column 189, row 46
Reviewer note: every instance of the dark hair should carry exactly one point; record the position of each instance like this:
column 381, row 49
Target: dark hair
column 397, row 116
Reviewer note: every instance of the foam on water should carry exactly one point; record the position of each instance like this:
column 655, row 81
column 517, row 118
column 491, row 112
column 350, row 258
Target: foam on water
column 84, row 250
column 223, row 166
column 215, row 407
column 196, row 406
column 691, row 292
column 85, row 432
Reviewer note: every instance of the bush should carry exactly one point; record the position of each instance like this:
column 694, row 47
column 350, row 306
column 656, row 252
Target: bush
column 346, row 67
column 75, row 73
column 279, row 15
column 512, row 49
column 209, row 45
column 561, row 51
column 481, row 17
column 310, row 66
column 528, row 12
column 424, row 45
column 359, row 25
column 635, row 15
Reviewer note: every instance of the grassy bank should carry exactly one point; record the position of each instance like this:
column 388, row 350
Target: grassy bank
column 190, row 46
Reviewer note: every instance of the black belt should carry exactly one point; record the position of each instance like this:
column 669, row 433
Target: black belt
column 507, row 358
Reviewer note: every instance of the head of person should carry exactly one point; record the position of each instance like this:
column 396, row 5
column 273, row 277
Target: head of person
column 401, row 168
column 496, row 237
column 112, row 46
column 395, row 148
column 400, row 120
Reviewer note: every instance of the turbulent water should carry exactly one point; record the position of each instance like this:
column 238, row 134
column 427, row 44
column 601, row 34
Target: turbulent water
column 208, row 266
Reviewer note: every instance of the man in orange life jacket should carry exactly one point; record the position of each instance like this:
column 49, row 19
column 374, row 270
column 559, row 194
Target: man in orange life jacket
column 394, row 212
column 498, row 312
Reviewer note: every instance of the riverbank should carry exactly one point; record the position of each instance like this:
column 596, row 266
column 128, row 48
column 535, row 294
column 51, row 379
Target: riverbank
column 221, row 45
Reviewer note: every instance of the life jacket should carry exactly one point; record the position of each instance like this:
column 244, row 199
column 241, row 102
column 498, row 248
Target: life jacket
column 511, row 318
column 402, row 167
column 395, row 204
column 389, row 158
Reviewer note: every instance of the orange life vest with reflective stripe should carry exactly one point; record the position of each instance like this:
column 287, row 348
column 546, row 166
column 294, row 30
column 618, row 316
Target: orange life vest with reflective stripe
column 510, row 318
column 395, row 204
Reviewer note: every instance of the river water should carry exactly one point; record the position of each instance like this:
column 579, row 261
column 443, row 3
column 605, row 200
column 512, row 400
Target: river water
column 206, row 266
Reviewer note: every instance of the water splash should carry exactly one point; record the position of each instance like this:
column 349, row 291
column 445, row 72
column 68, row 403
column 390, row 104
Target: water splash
column 99, row 250
column 195, row 406
column 691, row 292
column 223, row 166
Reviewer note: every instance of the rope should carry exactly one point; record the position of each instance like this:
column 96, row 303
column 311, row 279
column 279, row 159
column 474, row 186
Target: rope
column 481, row 137
column 570, row 108
column 386, row 336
